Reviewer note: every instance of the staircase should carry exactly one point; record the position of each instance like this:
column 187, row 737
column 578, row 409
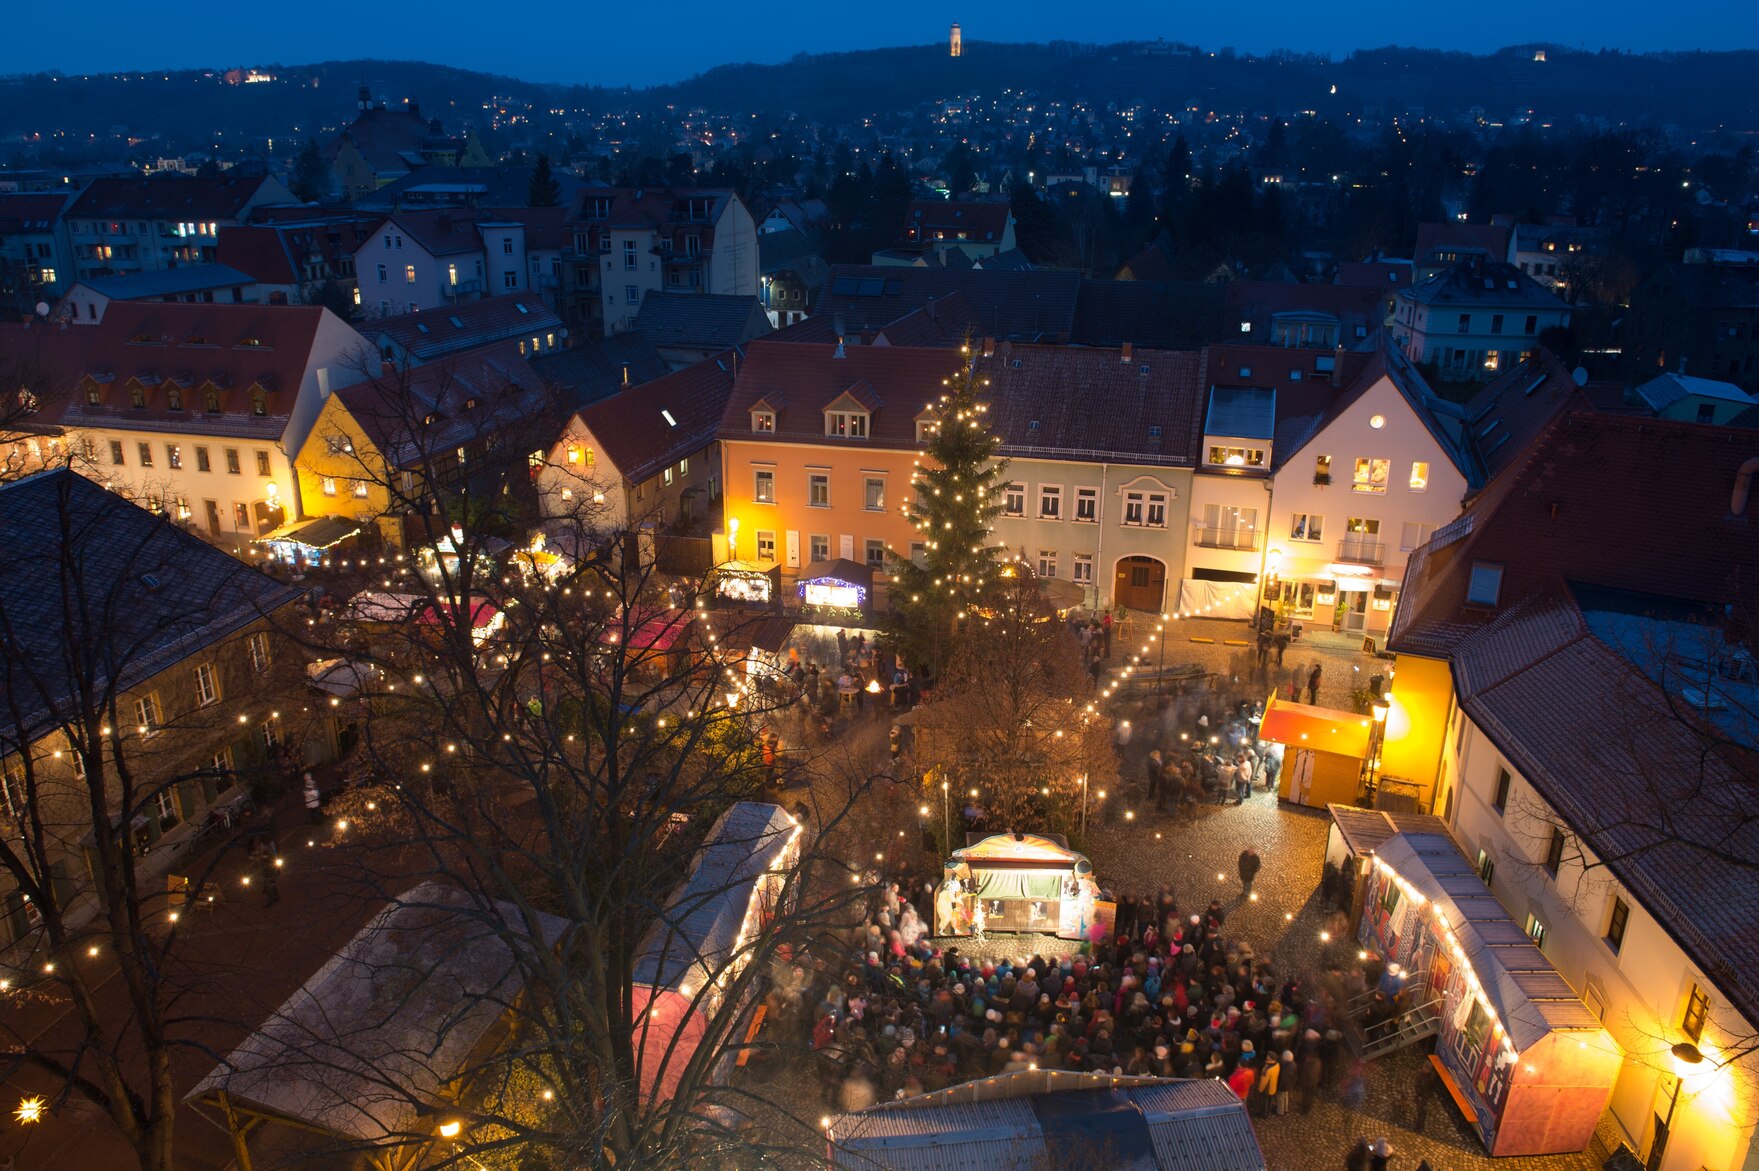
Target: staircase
column 1422, row 1021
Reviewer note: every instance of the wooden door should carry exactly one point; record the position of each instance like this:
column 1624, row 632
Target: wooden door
column 1140, row 584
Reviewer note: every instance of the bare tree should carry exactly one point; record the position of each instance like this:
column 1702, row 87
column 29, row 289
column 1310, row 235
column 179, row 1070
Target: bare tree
column 126, row 652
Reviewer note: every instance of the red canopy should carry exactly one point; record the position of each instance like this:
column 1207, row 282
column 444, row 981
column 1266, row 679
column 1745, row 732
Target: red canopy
column 482, row 612
column 659, row 630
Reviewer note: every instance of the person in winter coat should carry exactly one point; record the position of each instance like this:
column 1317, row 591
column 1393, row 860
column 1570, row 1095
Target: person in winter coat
column 1313, row 678
column 1308, row 1074
column 1242, row 1081
column 1357, row 1158
column 1249, row 865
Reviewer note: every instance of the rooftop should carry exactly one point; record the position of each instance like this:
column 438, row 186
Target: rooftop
column 166, row 282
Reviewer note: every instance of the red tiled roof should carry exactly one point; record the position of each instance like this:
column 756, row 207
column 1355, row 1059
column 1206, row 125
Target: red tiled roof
column 29, row 212
column 259, row 251
column 810, row 377
column 275, row 252
column 1506, row 416
column 980, row 222
column 1071, row 402
column 1433, row 238
column 159, row 345
column 634, row 434
column 427, row 333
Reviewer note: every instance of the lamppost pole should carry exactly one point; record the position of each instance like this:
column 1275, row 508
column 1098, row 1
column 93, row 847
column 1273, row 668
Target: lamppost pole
column 1685, row 1055
column 1380, row 705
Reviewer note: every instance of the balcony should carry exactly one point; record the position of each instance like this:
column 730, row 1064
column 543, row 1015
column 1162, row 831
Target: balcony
column 1241, row 540
column 454, row 289
column 1362, row 549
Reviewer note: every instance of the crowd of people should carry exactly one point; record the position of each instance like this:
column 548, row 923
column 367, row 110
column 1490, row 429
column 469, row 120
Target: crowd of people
column 1167, row 995
column 1199, row 746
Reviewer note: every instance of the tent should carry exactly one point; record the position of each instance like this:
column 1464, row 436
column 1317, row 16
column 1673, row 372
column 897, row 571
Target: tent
column 1052, row 1118
column 306, row 542
column 1326, row 748
column 838, row 588
column 369, row 1051
column 734, row 888
column 1515, row 1041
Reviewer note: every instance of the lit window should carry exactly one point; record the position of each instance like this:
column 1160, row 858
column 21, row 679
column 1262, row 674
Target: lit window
column 1370, row 475
column 1419, row 476
column 259, row 652
column 409, row 273
column 1307, row 526
column 874, row 495
column 147, row 714
column 360, row 489
column 846, row 424
column 1236, row 457
column 764, row 491
column 329, row 485
column 763, row 421
column 766, row 545
column 1697, row 1012
column 668, row 476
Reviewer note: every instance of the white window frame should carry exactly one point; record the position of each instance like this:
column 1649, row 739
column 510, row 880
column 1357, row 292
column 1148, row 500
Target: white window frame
column 260, row 654
column 815, row 481
column 1050, row 502
column 762, row 479
column 1135, row 508
column 327, row 485
column 207, row 685
column 763, row 422
column 818, row 546
column 1086, row 499
column 765, row 537
column 1307, row 526
column 1014, row 500
column 1363, row 479
column 148, row 713
column 1082, row 569
column 1156, row 501
column 846, row 424
column 1419, row 481
column 1047, row 563
column 868, row 550
column 867, row 493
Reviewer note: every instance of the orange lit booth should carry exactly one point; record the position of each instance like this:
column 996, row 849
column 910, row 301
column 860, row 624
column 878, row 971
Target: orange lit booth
column 1323, row 750
column 1023, row 883
column 699, row 942
column 1514, row 1043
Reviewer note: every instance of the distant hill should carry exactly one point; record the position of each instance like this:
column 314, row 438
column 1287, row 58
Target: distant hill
column 194, row 108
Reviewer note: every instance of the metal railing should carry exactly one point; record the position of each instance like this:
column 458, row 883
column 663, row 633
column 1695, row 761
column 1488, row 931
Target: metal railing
column 1245, row 540
column 1362, row 550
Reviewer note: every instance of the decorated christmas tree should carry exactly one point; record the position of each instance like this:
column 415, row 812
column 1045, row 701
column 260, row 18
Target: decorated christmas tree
column 952, row 504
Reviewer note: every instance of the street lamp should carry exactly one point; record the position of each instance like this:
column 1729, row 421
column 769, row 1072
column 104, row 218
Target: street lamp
column 1379, row 705
column 732, row 538
column 1685, row 1056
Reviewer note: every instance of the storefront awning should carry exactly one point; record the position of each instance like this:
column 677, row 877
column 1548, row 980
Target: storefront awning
column 319, row 533
column 1321, row 729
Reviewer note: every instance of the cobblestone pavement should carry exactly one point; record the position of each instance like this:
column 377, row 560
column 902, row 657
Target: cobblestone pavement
column 1345, row 667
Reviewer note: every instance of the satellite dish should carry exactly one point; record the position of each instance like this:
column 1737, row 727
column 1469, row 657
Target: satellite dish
column 1579, row 376
column 42, row 308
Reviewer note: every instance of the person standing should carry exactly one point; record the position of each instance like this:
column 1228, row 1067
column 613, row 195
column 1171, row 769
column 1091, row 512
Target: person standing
column 1357, row 1158
column 314, row 801
column 1249, row 864
column 1379, row 1155
column 1313, row 678
column 1308, row 1074
column 1280, row 642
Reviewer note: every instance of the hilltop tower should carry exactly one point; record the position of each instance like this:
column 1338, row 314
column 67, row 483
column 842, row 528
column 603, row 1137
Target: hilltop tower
column 954, row 45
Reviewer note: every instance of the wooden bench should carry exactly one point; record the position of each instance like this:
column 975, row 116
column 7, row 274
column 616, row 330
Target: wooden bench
column 1453, row 1089
column 751, row 1035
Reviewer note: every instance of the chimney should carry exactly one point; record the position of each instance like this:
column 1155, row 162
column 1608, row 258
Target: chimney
column 840, row 352
column 1337, row 367
column 1124, row 352
column 989, row 347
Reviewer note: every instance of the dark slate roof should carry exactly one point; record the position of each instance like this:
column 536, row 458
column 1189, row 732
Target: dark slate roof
column 415, row 413
column 31, row 212
column 1434, row 240
column 791, row 251
column 383, row 136
column 428, row 333
column 150, row 594
column 1491, row 284
column 701, row 321
column 501, row 187
column 1172, row 315
column 1037, row 305
column 1245, row 412
column 1072, row 402
column 167, row 196
column 168, row 282
column 443, row 231
column 801, row 380
column 1664, row 390
column 1504, row 417
column 600, row 368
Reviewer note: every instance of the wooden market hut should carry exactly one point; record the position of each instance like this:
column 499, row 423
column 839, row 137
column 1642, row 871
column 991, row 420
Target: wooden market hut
column 1323, row 750
column 1515, row 1045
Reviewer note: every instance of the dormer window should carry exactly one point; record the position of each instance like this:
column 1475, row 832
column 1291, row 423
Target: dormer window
column 174, row 398
column 259, row 403
column 213, row 402
column 846, row 424
column 1236, row 457
column 763, row 422
column 94, row 396
column 137, row 398
column 925, row 427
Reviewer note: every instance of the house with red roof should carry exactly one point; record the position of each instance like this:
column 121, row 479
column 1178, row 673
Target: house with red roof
column 1576, row 695
column 645, row 458
column 195, row 410
column 977, row 228
column 1317, row 474
column 293, row 259
column 161, row 221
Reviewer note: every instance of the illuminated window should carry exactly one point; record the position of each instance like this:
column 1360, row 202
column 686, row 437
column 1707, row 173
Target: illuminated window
column 259, row 652
column 668, row 475
column 1419, row 476
column 763, row 421
column 1370, row 475
column 846, row 424
column 1697, row 1012
column 329, row 485
column 148, row 716
column 360, row 489
column 766, row 545
column 874, row 495
column 409, row 273
column 764, row 490
column 1322, row 470
column 1236, row 457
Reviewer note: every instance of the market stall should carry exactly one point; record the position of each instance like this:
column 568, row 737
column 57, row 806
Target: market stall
column 1356, row 833
column 1323, row 750
column 839, row 589
column 485, row 619
column 696, row 946
column 1515, row 1042
column 302, row 543
column 441, row 560
column 1024, row 883
column 753, row 584
column 654, row 637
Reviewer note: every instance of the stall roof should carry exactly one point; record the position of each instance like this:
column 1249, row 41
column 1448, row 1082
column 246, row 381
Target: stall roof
column 381, row 1028
column 1322, row 729
column 482, row 613
column 1018, row 848
column 313, row 534
column 379, row 606
column 1529, row 996
column 655, row 630
column 1363, row 830
column 840, row 569
column 1018, row 1119
column 702, row 920
column 344, row 678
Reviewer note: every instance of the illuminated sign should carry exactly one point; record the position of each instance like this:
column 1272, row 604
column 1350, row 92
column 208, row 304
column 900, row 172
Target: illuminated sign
column 833, row 594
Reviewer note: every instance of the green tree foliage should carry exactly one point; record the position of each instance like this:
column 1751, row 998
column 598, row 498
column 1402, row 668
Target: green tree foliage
column 952, row 505
column 310, row 180
column 544, row 190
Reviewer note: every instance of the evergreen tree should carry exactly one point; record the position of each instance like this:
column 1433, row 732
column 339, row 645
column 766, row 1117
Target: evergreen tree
column 310, row 180
column 544, row 190
column 961, row 174
column 952, row 505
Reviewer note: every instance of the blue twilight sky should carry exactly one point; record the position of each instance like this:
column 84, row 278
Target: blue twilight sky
column 643, row 43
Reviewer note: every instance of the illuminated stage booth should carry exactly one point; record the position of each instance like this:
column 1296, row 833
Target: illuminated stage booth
column 839, row 588
column 1023, row 883
column 1517, row 1046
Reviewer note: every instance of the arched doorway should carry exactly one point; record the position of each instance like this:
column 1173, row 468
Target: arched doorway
column 1140, row 584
